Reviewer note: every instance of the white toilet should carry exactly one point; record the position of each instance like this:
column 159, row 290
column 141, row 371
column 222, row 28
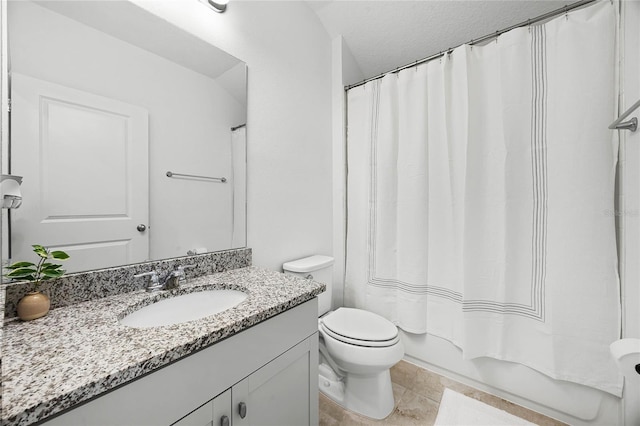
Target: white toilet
column 357, row 347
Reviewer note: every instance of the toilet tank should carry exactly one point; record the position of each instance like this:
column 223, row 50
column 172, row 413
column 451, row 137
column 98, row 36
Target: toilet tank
column 319, row 268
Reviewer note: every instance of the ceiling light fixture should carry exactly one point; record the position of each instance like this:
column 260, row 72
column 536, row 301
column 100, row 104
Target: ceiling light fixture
column 218, row 5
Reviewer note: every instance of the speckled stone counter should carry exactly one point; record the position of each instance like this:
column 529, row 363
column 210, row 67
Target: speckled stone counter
column 80, row 351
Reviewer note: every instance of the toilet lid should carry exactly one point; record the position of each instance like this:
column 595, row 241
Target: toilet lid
column 360, row 325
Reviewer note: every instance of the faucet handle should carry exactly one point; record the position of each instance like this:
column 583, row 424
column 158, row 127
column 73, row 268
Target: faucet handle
column 154, row 279
column 180, row 271
column 153, row 274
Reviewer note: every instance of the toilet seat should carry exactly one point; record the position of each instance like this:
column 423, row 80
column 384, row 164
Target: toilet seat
column 359, row 342
column 360, row 328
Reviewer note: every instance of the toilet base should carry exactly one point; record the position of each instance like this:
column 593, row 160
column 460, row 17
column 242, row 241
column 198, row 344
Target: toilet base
column 330, row 384
column 370, row 396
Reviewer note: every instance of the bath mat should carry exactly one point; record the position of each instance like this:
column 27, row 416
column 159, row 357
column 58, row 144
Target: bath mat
column 460, row 410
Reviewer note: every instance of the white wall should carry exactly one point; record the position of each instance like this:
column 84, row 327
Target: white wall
column 190, row 117
column 629, row 175
column 628, row 208
column 288, row 54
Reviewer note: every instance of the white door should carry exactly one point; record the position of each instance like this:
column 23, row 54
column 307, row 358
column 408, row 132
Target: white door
column 84, row 159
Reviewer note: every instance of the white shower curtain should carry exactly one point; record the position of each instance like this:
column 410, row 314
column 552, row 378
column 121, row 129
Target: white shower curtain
column 480, row 192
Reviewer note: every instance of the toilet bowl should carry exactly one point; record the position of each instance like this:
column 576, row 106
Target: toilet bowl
column 357, row 348
column 360, row 348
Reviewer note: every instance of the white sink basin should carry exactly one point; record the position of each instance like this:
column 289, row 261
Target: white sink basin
column 183, row 308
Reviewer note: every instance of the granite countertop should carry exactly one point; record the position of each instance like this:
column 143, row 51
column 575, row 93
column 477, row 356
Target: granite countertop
column 80, row 351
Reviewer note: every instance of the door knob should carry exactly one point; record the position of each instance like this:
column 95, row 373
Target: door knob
column 142, row 227
column 224, row 421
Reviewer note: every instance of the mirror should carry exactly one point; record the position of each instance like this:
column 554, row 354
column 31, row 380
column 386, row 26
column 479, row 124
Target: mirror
column 129, row 134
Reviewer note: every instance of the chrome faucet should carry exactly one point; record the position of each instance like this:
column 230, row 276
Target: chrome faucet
column 154, row 280
column 174, row 278
column 170, row 281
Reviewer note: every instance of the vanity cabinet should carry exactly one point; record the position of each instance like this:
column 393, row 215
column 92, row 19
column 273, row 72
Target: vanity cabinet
column 272, row 395
column 271, row 367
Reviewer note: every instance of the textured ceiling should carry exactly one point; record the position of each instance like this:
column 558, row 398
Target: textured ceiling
column 386, row 34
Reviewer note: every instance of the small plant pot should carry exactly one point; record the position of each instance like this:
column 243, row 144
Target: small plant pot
column 33, row 305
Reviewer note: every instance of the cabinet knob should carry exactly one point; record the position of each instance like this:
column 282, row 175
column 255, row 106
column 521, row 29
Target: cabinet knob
column 224, row 421
column 242, row 410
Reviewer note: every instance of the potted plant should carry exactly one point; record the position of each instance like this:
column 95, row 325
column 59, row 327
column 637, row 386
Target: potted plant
column 35, row 304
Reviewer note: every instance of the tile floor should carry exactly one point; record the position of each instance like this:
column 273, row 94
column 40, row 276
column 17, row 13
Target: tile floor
column 417, row 393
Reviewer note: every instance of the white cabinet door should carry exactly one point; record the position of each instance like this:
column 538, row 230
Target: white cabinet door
column 280, row 393
column 216, row 412
column 241, row 407
column 202, row 416
column 222, row 409
column 84, row 159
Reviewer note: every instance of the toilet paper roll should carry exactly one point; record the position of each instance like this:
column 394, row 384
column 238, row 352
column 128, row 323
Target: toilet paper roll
column 11, row 194
column 626, row 352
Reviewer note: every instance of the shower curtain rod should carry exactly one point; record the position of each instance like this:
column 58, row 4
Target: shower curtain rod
column 548, row 15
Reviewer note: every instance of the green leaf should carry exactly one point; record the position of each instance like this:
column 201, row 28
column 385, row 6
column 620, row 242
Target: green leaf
column 60, row 255
column 22, row 273
column 39, row 271
column 48, row 274
column 21, row 265
column 40, row 251
column 50, row 266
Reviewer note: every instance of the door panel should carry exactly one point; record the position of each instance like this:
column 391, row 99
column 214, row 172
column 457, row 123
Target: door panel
column 86, row 155
column 84, row 159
